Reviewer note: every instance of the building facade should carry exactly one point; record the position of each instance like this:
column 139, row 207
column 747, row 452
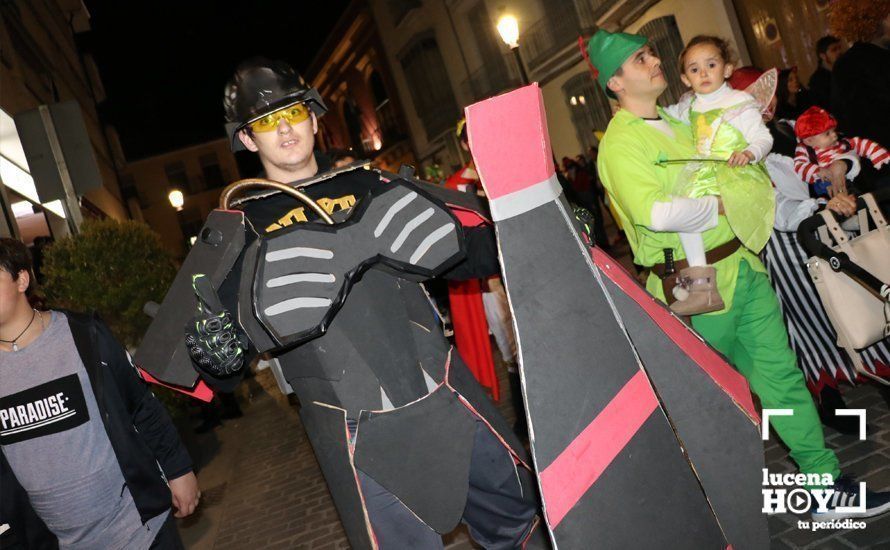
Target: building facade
column 40, row 64
column 199, row 172
column 351, row 72
column 447, row 54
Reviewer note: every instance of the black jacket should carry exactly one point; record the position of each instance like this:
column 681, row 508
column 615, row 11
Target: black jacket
column 860, row 92
column 139, row 429
column 820, row 88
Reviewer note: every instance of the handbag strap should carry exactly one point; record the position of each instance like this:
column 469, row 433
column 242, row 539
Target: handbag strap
column 824, row 236
column 840, row 236
column 876, row 214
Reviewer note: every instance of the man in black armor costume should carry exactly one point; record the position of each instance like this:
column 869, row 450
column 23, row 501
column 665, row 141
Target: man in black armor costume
column 408, row 442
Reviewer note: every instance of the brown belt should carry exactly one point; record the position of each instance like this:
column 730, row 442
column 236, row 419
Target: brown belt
column 711, row 257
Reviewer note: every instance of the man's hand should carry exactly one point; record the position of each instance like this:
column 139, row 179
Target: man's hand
column 837, row 174
column 740, row 158
column 843, row 204
column 185, row 494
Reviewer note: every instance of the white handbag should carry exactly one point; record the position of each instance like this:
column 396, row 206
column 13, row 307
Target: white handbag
column 859, row 312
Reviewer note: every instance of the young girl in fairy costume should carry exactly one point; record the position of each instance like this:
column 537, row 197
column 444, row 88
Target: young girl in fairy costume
column 731, row 141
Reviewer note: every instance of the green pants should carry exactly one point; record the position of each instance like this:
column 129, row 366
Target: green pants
column 752, row 335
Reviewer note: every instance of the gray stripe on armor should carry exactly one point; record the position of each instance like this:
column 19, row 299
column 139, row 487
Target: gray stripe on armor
column 413, row 224
column 391, row 213
column 301, row 278
column 296, row 303
column 298, row 252
column 429, row 241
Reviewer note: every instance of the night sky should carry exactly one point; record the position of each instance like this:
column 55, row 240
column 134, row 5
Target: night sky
column 164, row 63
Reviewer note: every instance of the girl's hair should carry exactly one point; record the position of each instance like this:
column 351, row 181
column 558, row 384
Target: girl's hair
column 721, row 45
column 782, row 93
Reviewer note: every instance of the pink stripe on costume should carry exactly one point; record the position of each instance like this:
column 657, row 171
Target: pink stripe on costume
column 727, row 378
column 579, row 465
column 201, row 390
column 510, row 143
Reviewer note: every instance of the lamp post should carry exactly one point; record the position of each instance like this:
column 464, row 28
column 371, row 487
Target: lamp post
column 508, row 28
column 176, row 199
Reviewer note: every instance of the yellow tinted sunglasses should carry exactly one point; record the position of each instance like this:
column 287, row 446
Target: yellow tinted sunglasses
column 292, row 115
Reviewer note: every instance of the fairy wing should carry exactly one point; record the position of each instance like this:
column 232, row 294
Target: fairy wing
column 764, row 88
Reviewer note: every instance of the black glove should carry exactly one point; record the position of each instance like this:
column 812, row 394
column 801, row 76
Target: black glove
column 585, row 219
column 214, row 341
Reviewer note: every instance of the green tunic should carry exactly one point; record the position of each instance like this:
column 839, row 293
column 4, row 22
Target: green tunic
column 751, row 334
column 627, row 167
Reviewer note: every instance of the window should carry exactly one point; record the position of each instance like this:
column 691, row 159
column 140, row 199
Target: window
column 210, row 169
column 665, row 39
column 492, row 77
column 130, row 191
column 379, row 90
column 176, row 176
column 352, row 118
column 190, row 224
column 429, row 85
column 388, row 130
column 36, row 75
column 589, row 107
column 398, row 9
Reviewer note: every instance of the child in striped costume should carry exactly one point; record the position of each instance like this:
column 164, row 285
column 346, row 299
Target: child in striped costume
column 821, row 154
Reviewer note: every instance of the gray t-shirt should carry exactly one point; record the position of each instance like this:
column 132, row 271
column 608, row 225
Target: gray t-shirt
column 55, row 443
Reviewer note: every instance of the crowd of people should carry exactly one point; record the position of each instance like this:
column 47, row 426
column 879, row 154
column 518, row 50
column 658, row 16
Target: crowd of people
column 709, row 194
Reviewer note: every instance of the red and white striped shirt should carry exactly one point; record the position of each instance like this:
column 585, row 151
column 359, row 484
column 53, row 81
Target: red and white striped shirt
column 808, row 171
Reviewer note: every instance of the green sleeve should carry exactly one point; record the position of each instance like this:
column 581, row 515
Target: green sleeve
column 628, row 171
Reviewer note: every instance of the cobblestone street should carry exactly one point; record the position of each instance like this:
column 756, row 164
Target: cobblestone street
column 263, row 488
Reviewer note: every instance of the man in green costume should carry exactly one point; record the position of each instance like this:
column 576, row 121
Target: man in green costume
column 749, row 330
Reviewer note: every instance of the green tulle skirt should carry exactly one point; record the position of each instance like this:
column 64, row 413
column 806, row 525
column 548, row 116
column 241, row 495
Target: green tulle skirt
column 747, row 193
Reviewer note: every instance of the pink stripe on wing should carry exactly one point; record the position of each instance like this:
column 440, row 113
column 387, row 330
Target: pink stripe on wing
column 579, row 465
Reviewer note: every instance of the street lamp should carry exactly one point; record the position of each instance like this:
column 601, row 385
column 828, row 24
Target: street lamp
column 176, row 199
column 508, row 28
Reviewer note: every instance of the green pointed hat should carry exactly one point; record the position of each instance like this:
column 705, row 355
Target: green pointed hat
column 607, row 51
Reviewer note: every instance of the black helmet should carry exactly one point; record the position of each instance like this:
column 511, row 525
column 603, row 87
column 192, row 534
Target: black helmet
column 261, row 86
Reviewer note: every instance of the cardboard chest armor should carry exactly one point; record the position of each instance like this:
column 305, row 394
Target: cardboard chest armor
column 358, row 340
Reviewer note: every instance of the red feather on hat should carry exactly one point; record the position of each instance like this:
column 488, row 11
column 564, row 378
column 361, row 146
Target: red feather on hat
column 586, row 57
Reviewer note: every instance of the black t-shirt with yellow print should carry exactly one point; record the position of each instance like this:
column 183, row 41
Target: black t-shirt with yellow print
column 334, row 195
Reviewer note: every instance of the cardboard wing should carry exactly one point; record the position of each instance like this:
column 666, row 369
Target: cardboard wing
column 642, row 435
column 162, row 353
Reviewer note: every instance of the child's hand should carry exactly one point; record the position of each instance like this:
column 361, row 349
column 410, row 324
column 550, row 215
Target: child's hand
column 740, row 158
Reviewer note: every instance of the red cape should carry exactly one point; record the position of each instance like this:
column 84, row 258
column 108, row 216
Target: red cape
column 468, row 312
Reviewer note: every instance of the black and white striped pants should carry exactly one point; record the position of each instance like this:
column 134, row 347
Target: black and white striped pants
column 811, row 335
